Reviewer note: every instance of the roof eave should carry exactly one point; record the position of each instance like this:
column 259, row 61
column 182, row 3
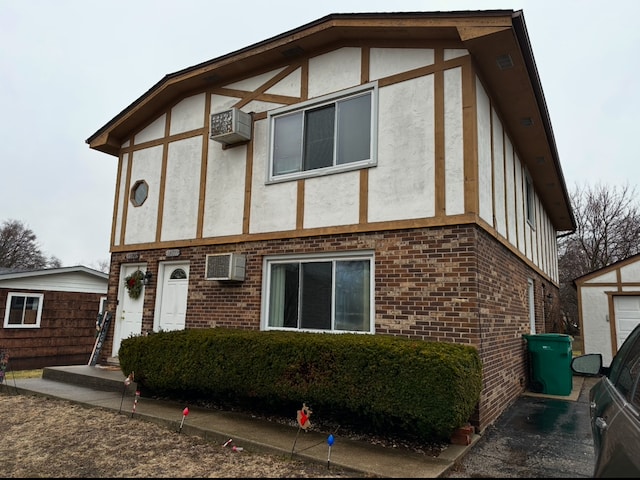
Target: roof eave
column 108, row 140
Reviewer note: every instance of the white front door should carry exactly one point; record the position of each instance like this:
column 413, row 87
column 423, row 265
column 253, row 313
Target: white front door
column 128, row 319
column 627, row 313
column 172, row 296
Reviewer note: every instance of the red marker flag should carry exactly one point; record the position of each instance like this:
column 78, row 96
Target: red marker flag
column 135, row 402
column 185, row 412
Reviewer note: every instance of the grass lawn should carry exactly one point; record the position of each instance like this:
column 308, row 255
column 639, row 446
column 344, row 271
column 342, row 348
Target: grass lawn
column 10, row 374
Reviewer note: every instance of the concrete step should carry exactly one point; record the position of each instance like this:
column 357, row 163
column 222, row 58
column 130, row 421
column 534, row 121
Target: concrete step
column 109, row 379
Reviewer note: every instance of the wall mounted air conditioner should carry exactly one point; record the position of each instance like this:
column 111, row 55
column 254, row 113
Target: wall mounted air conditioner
column 230, row 126
column 225, row 266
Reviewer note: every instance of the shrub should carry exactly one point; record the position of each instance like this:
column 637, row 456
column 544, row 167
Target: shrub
column 375, row 383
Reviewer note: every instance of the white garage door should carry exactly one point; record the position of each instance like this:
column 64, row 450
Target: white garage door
column 627, row 312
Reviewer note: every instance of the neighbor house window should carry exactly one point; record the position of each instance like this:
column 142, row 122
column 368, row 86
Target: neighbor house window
column 103, row 305
column 23, row 310
column 324, row 135
column 320, row 293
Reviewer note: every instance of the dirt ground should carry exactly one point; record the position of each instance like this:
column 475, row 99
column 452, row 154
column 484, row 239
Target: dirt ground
column 44, row 437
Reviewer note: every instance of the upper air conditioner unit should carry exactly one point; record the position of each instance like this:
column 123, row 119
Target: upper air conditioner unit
column 231, row 126
column 225, row 266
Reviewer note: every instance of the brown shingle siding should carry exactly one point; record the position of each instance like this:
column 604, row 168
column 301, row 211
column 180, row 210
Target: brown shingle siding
column 66, row 335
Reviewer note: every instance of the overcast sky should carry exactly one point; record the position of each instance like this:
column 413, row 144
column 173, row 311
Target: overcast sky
column 69, row 66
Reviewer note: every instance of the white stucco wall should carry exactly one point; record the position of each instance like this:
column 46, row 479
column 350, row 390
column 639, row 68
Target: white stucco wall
column 289, row 85
column 187, row 115
column 123, row 195
column 142, row 221
column 499, row 175
column 180, row 212
column 220, row 103
column 332, row 200
column 224, row 199
column 518, row 203
column 604, row 277
column 501, row 190
column 273, row 206
column 453, row 142
column 631, row 273
column 402, row 184
column 485, row 183
column 153, row 131
column 390, row 61
column 451, row 53
column 510, row 197
column 252, row 83
column 334, row 71
column 535, row 230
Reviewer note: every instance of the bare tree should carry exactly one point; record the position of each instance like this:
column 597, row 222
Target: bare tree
column 101, row 265
column 607, row 231
column 19, row 248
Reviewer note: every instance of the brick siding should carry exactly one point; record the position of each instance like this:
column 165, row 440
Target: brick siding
column 447, row 284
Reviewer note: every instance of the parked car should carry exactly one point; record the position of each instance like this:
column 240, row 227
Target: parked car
column 615, row 408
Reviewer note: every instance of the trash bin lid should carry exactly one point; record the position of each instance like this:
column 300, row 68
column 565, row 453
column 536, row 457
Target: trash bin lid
column 548, row 337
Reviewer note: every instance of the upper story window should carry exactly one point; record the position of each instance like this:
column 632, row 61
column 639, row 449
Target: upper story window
column 139, row 192
column 23, row 310
column 326, row 293
column 320, row 136
column 530, row 207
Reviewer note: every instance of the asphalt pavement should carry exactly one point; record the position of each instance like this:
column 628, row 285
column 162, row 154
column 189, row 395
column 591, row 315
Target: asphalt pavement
column 539, row 436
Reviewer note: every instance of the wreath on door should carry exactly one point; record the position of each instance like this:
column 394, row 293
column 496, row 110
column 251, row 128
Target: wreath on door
column 134, row 283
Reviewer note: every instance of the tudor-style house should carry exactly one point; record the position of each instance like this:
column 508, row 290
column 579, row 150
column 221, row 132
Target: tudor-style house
column 378, row 173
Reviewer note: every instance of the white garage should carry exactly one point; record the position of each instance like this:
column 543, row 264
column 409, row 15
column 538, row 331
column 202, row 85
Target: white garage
column 609, row 306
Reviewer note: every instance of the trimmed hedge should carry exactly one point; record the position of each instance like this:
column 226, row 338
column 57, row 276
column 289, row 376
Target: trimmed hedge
column 376, row 383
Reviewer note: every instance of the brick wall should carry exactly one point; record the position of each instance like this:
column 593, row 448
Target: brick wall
column 451, row 284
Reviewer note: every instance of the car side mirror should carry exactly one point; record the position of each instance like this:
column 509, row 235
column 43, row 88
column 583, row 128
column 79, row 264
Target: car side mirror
column 589, row 364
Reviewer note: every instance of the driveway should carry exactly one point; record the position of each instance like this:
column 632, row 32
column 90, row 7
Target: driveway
column 537, row 437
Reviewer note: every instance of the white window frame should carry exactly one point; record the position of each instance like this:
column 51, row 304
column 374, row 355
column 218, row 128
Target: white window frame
column 103, row 305
column 315, row 103
column 329, row 257
column 532, row 305
column 7, row 311
column 530, row 210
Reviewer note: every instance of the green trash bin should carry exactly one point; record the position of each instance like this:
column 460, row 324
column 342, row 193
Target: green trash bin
column 550, row 357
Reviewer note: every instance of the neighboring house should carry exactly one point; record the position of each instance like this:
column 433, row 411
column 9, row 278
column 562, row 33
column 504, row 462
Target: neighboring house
column 49, row 316
column 609, row 306
column 383, row 173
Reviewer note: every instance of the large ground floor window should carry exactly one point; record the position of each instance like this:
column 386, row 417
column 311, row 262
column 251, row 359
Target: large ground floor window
column 326, row 293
